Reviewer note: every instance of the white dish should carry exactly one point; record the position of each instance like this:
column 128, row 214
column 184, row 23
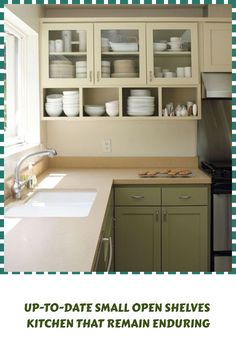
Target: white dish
column 54, row 98
column 139, row 92
column 159, row 46
column 81, row 70
column 106, row 69
column 106, row 63
column 94, row 110
column 81, row 63
column 124, row 47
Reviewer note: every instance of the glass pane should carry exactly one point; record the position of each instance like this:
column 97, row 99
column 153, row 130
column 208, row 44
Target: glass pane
column 172, row 53
column 67, row 54
column 120, row 53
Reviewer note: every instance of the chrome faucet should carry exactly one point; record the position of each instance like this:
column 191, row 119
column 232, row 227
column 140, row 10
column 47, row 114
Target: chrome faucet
column 18, row 184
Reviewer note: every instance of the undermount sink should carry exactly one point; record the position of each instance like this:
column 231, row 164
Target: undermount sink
column 55, row 204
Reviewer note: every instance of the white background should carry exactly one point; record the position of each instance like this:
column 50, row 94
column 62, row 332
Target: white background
column 218, row 290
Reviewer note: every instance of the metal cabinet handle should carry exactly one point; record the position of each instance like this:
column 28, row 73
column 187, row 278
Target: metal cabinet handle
column 185, row 197
column 150, row 75
column 90, row 76
column 98, row 75
column 137, row 196
column 157, row 215
column 164, row 214
column 105, row 239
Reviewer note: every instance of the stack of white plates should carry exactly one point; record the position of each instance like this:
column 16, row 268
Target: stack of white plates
column 140, row 105
column 124, row 47
column 71, row 103
column 81, row 69
column 53, row 105
column 140, row 92
column 61, row 69
column 106, row 69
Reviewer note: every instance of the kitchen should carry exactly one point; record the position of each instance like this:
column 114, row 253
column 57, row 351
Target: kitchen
column 123, row 189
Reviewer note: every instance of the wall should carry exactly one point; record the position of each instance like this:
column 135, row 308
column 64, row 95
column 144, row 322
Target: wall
column 131, row 138
column 30, row 14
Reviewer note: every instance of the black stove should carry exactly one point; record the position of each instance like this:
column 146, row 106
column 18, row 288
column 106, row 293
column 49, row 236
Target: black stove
column 221, row 174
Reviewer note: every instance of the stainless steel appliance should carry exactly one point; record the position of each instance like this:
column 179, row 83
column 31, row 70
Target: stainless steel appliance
column 214, row 151
column 221, row 225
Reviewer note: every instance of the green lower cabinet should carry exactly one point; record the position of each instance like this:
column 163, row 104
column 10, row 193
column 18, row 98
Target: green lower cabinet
column 137, row 239
column 185, row 241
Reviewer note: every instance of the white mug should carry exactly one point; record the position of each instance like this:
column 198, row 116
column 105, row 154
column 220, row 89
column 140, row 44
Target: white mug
column 51, row 46
column 180, row 72
column 59, row 45
column 188, row 71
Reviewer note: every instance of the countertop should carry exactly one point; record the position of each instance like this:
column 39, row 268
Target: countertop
column 70, row 244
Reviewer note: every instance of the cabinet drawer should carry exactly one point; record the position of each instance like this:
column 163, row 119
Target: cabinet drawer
column 137, row 195
column 185, row 196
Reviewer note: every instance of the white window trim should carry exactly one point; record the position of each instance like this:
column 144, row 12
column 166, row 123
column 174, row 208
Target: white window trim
column 29, row 131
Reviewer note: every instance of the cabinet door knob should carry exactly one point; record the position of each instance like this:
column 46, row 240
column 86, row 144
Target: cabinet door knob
column 164, row 214
column 150, row 75
column 185, row 197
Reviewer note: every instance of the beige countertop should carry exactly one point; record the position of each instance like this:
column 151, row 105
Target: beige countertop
column 69, row 244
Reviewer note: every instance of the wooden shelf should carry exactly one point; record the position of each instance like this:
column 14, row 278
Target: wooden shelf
column 118, row 118
column 69, row 53
column 172, row 53
column 119, row 53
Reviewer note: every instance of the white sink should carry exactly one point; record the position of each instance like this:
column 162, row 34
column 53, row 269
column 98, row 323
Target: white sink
column 55, row 204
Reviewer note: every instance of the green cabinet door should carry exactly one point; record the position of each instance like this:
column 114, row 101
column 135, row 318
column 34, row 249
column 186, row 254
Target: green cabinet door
column 185, row 239
column 137, row 239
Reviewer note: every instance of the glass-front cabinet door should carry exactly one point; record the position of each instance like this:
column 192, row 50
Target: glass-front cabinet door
column 172, row 53
column 67, row 54
column 120, row 53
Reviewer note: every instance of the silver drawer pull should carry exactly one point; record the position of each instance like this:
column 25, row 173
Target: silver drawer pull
column 137, row 196
column 185, row 197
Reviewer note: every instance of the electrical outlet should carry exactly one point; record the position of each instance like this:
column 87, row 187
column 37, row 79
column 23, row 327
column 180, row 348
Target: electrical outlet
column 106, row 145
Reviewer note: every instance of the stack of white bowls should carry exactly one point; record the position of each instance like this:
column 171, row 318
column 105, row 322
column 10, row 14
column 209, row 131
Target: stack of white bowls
column 112, row 108
column 71, row 103
column 106, row 68
column 140, row 103
column 105, row 44
column 61, row 69
column 81, row 69
column 53, row 105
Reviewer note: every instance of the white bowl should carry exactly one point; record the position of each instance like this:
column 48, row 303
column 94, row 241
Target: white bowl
column 94, row 110
column 71, row 111
column 106, row 69
column 81, row 69
column 54, row 98
column 106, row 63
column 159, row 46
column 112, row 103
column 80, row 64
column 112, row 112
column 53, row 111
column 70, row 93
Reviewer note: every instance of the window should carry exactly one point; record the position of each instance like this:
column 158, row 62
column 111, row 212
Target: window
column 12, row 90
column 22, row 109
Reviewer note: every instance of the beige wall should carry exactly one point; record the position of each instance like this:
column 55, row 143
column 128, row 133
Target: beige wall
column 30, row 14
column 131, row 138
column 219, row 10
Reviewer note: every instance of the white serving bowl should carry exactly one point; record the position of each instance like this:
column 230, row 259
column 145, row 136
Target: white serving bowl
column 159, row 46
column 112, row 103
column 71, row 111
column 53, row 111
column 94, row 110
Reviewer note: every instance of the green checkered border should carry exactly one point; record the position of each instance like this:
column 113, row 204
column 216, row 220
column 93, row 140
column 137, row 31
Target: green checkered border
column 114, row 2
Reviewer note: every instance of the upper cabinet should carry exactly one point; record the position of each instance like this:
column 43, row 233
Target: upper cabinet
column 67, row 54
column 217, row 47
column 172, row 53
column 119, row 53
